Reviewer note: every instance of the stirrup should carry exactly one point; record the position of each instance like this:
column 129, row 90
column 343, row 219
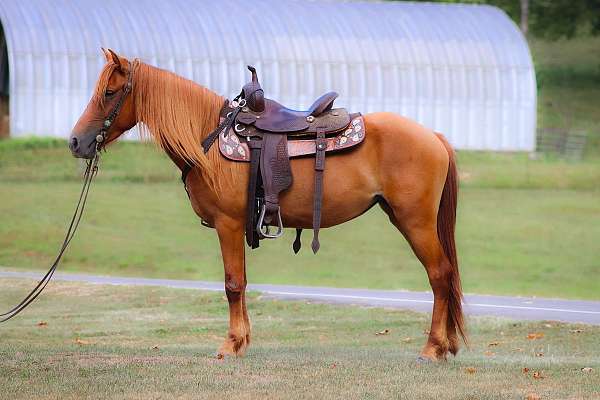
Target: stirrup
column 264, row 230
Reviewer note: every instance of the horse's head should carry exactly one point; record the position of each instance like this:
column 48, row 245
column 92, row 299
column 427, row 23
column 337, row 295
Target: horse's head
column 110, row 111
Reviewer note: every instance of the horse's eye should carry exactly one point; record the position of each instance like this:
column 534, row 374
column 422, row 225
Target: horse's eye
column 109, row 93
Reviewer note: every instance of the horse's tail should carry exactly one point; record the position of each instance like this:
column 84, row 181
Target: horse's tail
column 446, row 222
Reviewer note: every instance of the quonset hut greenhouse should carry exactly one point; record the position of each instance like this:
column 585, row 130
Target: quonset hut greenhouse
column 464, row 70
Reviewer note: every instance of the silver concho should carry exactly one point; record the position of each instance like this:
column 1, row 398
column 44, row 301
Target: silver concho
column 241, row 150
column 228, row 149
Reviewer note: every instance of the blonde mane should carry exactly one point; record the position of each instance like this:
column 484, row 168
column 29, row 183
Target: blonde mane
column 102, row 83
column 177, row 114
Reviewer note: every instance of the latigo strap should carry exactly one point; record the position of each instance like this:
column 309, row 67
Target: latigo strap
column 253, row 203
column 321, row 146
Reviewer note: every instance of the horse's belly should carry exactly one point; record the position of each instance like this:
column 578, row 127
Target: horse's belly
column 349, row 188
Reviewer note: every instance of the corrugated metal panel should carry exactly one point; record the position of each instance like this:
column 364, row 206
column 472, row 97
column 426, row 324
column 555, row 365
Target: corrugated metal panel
column 463, row 70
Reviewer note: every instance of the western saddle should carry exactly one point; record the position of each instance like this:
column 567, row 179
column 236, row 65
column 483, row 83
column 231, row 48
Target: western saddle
column 267, row 134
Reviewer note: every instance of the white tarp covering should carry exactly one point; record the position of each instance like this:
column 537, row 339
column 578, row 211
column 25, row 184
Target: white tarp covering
column 464, row 70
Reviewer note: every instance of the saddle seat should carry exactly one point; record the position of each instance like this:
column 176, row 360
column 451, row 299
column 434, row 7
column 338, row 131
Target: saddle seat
column 270, row 116
column 279, row 119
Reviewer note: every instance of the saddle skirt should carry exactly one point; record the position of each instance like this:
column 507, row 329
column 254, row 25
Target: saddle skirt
column 235, row 147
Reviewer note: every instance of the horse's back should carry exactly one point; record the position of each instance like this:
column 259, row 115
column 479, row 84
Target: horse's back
column 413, row 149
column 402, row 134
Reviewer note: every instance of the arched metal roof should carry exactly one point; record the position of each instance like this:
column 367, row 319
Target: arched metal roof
column 464, row 70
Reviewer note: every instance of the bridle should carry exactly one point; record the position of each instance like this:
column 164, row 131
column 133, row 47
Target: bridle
column 112, row 116
column 90, row 172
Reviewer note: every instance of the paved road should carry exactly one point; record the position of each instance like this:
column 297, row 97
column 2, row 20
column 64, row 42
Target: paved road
column 524, row 308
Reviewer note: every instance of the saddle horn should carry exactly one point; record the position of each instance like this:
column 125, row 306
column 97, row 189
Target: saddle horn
column 253, row 93
column 254, row 75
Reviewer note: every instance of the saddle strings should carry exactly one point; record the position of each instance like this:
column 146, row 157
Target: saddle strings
column 89, row 174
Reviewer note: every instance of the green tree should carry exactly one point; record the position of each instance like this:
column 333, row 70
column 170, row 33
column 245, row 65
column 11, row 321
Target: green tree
column 551, row 19
column 554, row 19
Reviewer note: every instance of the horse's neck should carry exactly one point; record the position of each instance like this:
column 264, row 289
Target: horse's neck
column 177, row 113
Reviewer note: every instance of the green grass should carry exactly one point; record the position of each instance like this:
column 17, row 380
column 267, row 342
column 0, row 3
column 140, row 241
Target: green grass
column 483, row 170
column 49, row 160
column 568, row 76
column 518, row 232
column 137, row 343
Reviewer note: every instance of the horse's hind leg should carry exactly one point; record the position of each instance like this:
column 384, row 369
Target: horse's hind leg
column 231, row 238
column 418, row 224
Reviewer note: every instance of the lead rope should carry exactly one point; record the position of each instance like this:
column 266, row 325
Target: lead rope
column 89, row 174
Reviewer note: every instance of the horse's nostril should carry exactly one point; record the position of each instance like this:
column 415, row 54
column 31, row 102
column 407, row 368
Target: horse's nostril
column 74, row 144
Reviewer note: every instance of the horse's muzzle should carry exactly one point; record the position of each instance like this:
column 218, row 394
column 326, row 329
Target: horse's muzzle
column 83, row 146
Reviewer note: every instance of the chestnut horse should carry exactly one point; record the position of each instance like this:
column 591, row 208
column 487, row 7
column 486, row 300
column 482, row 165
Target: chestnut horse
column 407, row 169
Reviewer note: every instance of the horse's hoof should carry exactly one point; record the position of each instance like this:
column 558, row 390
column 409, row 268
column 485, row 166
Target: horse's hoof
column 423, row 360
column 232, row 347
column 224, row 356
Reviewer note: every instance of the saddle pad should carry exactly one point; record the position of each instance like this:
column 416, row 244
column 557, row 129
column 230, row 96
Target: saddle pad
column 234, row 148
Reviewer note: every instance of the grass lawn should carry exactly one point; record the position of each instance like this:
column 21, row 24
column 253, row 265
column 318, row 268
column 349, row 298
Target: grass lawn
column 520, row 236
column 107, row 342
column 568, row 77
column 48, row 160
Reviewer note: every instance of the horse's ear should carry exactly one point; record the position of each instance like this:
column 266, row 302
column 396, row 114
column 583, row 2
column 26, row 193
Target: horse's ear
column 106, row 54
column 116, row 59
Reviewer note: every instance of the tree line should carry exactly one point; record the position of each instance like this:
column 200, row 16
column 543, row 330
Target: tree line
column 549, row 19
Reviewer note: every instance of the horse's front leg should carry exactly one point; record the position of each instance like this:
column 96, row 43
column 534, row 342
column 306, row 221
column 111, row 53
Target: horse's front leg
column 231, row 238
